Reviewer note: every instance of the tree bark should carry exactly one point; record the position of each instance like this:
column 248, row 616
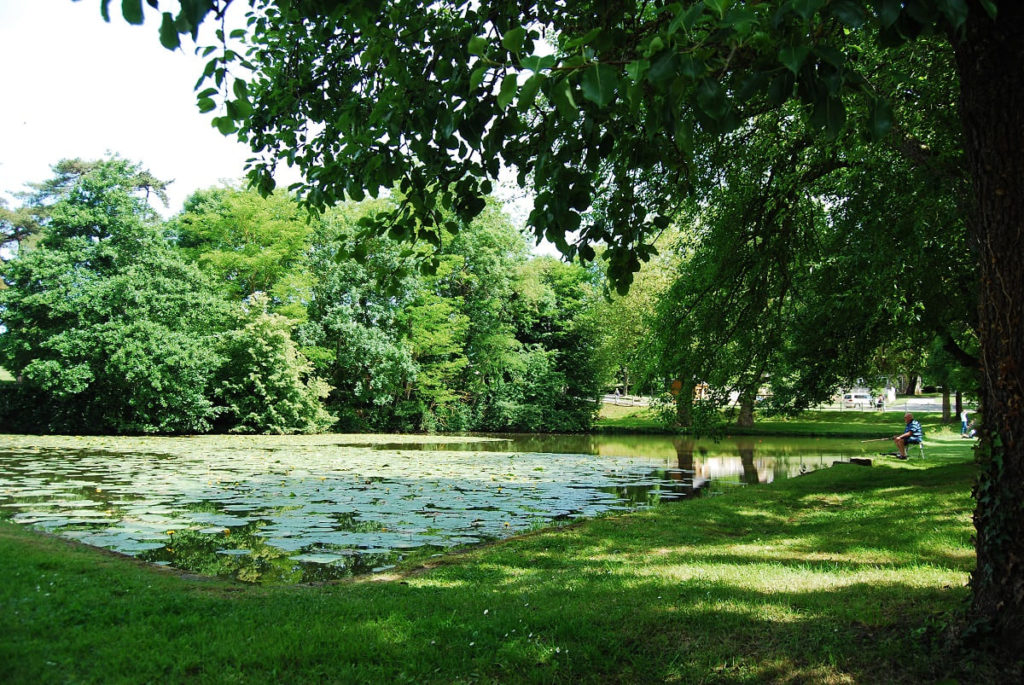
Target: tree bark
column 959, row 403
column 684, row 406
column 746, row 417
column 990, row 62
column 945, row 405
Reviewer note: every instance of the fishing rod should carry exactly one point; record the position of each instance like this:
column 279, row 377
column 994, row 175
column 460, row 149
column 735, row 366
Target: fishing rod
column 876, row 439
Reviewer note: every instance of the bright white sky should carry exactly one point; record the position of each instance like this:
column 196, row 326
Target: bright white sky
column 75, row 86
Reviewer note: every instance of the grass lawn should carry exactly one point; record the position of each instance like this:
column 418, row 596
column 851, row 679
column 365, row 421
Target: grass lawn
column 628, row 419
column 845, row 575
column 851, row 423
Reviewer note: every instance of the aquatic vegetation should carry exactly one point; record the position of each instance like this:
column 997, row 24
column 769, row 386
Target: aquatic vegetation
column 302, row 508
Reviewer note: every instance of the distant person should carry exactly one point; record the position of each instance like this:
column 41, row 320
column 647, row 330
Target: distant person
column 911, row 435
column 963, row 422
column 971, row 431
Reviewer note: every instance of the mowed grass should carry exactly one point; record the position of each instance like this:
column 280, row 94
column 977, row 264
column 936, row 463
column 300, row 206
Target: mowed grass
column 628, row 419
column 850, row 423
column 845, row 575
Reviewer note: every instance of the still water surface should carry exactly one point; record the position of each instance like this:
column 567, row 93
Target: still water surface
column 307, row 508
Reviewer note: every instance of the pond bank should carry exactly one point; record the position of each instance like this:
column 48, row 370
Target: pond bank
column 844, row 575
column 814, row 424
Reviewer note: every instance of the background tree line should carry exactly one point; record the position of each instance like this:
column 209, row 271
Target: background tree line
column 242, row 314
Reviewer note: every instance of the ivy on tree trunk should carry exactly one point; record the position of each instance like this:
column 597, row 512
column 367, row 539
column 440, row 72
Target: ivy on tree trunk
column 990, row 60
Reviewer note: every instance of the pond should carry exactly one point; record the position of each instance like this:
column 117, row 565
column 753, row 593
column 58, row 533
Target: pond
column 311, row 508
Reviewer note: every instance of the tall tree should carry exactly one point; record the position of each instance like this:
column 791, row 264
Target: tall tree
column 249, row 244
column 109, row 329
column 340, row 90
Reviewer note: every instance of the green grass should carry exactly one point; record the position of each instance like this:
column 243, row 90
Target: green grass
column 614, row 418
column 846, row 424
column 844, row 575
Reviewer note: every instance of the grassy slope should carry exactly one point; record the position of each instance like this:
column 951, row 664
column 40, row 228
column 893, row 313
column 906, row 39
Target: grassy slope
column 838, row 576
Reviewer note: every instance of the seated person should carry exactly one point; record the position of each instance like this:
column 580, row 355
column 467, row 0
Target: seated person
column 912, row 435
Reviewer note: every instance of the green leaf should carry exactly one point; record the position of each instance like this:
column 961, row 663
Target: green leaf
column 132, row 11
column 921, row 11
column 663, row 68
column 828, row 113
column 711, row 99
column 206, row 105
column 507, row 91
column 599, row 83
column 850, row 12
column 169, row 32
column 478, row 45
column 537, row 63
column 637, row 70
column 741, row 20
column 528, row 93
column 718, row 6
column 990, row 8
column 584, row 39
column 793, row 57
column 240, row 89
column 889, row 12
column 955, row 11
column 691, row 67
column 835, row 117
column 881, row 119
column 477, row 77
column 105, row 10
column 561, row 95
column 226, row 125
column 807, row 8
column 781, row 88
column 831, row 55
column 513, row 40
column 686, row 19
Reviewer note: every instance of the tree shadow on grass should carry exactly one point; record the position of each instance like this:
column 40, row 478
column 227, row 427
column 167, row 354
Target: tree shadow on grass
column 497, row 618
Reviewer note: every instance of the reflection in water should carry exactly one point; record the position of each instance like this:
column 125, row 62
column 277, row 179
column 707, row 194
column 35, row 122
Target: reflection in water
column 742, row 459
column 745, row 447
column 303, row 508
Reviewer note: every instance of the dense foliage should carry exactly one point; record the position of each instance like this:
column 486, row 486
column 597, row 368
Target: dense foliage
column 488, row 340
column 239, row 315
column 806, row 263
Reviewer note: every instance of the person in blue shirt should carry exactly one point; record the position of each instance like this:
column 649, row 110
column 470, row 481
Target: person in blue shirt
column 911, row 435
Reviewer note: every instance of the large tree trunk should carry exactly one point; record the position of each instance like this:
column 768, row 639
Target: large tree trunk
column 945, row 405
column 959, row 403
column 746, row 417
column 990, row 61
column 684, row 406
